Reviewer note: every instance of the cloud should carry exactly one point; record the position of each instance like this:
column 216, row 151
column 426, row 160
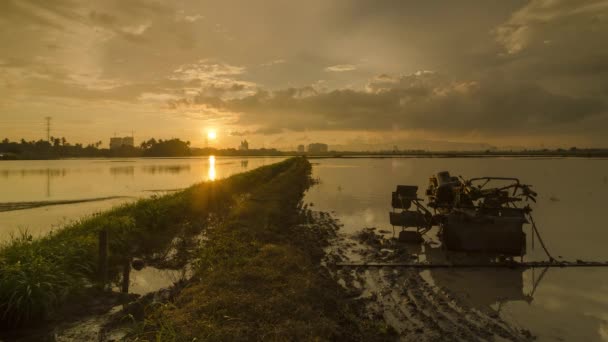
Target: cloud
column 136, row 30
column 501, row 68
column 102, row 18
column 269, row 130
column 205, row 70
column 558, row 44
column 263, row 131
column 273, row 62
column 240, row 133
column 128, row 28
column 419, row 101
column 156, row 97
column 182, row 16
column 341, row 68
column 546, row 21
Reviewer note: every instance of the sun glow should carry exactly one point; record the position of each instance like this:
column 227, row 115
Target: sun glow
column 211, row 173
column 212, row 135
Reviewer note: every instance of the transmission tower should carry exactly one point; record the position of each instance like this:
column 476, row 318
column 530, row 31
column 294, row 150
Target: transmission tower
column 48, row 128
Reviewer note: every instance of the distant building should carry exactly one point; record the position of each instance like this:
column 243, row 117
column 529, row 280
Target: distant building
column 317, row 148
column 118, row 142
column 244, row 146
column 115, row 143
column 301, row 148
column 128, row 141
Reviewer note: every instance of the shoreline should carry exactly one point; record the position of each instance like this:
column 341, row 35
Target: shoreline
column 581, row 153
column 341, row 156
column 67, row 261
column 254, row 255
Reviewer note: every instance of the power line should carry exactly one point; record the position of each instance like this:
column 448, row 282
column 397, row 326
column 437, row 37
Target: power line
column 48, row 128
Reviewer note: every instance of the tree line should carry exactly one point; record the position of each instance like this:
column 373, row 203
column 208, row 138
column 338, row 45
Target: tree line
column 61, row 148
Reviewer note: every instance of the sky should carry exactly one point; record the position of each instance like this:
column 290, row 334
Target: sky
column 355, row 74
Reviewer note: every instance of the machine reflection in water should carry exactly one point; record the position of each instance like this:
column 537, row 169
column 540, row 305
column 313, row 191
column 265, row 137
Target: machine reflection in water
column 482, row 288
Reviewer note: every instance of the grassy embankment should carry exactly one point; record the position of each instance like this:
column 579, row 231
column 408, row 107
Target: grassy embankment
column 257, row 275
column 38, row 275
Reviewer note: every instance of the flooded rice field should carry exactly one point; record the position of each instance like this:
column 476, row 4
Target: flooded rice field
column 569, row 304
column 434, row 304
column 42, row 195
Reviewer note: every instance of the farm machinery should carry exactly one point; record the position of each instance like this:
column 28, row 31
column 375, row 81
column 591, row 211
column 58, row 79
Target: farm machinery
column 484, row 214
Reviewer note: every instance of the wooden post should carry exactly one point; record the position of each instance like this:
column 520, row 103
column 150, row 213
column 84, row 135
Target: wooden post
column 126, row 273
column 103, row 258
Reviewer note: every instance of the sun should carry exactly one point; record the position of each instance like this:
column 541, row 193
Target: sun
column 212, row 135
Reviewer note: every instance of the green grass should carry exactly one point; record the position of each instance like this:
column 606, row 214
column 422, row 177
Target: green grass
column 257, row 274
column 258, row 278
column 37, row 276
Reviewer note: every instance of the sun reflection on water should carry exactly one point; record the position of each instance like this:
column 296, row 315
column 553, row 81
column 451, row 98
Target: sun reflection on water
column 211, row 175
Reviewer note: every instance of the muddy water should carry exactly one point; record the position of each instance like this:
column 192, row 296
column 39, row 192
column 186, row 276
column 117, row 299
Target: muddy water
column 557, row 305
column 103, row 183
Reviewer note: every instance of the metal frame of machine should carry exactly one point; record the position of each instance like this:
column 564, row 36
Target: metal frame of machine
column 472, row 215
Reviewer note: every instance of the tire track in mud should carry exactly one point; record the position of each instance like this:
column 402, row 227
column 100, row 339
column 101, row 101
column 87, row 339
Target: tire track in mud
column 415, row 307
column 416, row 304
column 448, row 323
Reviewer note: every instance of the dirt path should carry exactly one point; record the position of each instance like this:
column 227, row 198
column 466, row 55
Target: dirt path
column 410, row 300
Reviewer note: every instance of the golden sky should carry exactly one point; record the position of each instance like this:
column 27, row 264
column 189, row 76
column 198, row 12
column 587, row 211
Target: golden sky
column 354, row 74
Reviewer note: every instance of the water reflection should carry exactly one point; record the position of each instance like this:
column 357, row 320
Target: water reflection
column 122, row 171
column 36, row 172
column 568, row 304
column 211, row 174
column 35, row 181
column 47, row 173
column 482, row 288
column 153, row 169
column 48, row 183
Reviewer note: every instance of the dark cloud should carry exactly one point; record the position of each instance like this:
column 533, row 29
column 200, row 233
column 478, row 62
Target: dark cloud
column 102, row 18
column 38, row 13
column 240, row 133
column 487, row 68
column 269, row 130
column 265, row 131
column 423, row 100
column 558, row 44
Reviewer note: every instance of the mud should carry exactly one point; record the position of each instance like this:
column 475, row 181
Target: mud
column 421, row 305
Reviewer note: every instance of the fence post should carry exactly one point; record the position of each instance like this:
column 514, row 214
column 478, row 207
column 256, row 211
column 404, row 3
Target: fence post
column 103, row 258
column 126, row 273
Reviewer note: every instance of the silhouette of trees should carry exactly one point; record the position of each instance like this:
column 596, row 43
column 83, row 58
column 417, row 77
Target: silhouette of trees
column 163, row 148
column 62, row 148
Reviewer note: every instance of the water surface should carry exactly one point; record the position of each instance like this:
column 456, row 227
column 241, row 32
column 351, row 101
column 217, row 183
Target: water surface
column 559, row 305
column 85, row 179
